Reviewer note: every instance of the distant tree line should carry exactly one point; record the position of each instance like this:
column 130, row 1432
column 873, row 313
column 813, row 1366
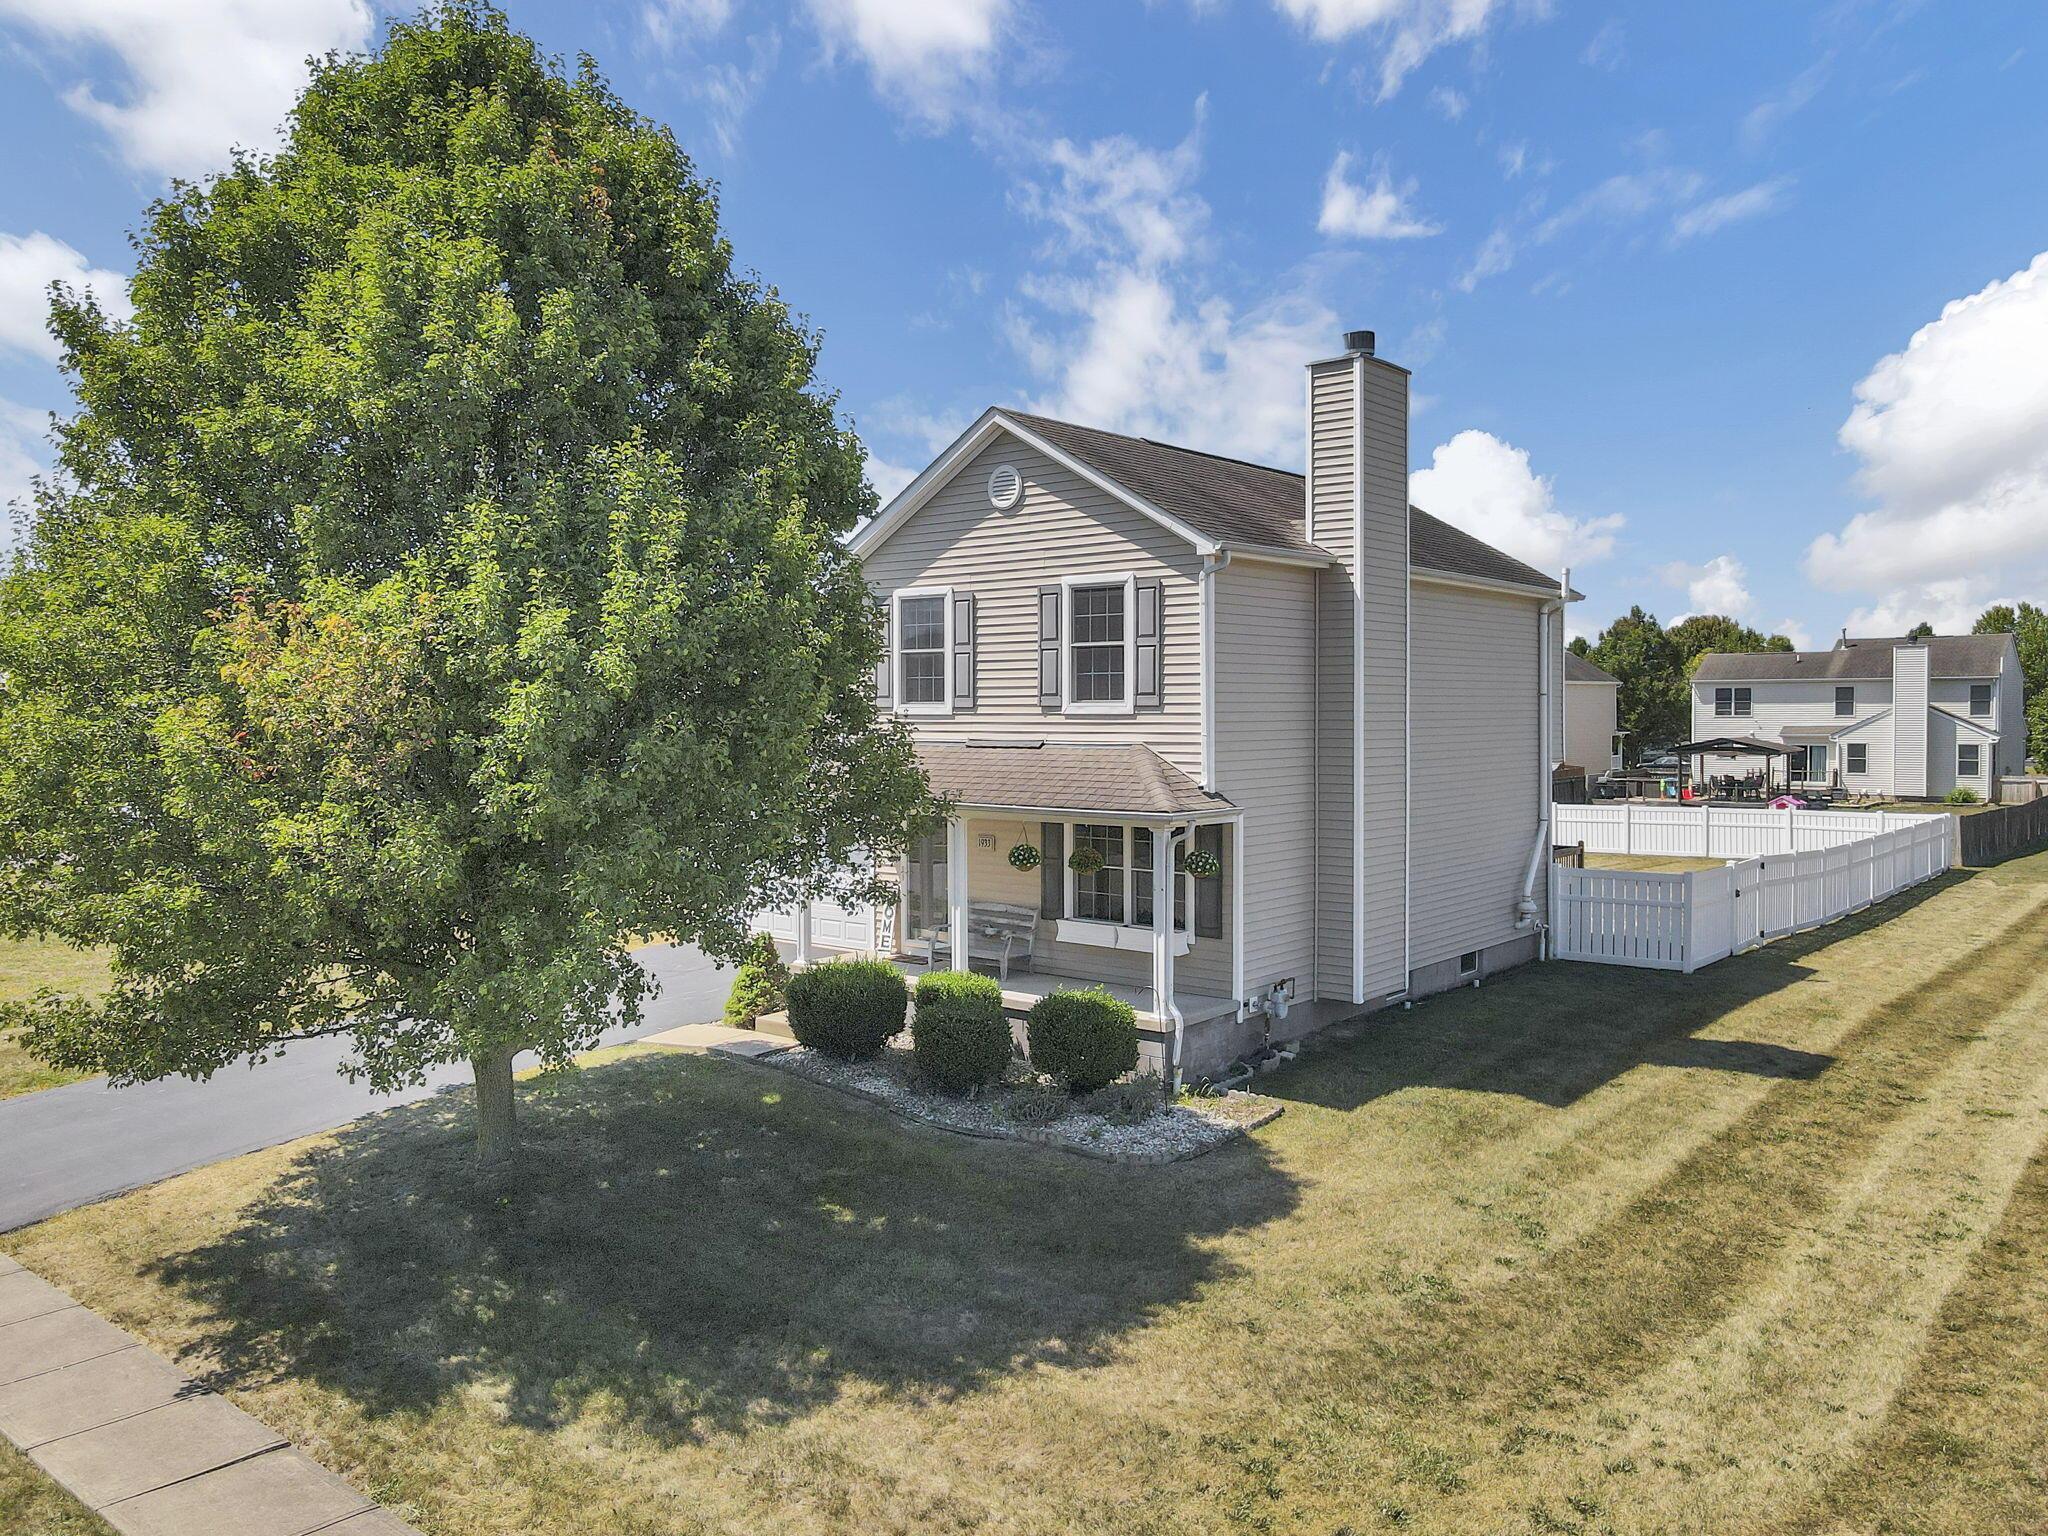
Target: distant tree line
column 1655, row 666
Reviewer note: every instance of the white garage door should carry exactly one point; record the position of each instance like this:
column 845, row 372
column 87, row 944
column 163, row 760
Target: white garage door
column 832, row 926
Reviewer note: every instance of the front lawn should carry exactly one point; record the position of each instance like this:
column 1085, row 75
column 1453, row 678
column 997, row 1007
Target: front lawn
column 1762, row 1249
column 26, row 966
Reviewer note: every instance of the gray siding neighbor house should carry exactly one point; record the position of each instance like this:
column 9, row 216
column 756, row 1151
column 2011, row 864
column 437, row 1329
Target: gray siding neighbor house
column 1913, row 718
column 1351, row 709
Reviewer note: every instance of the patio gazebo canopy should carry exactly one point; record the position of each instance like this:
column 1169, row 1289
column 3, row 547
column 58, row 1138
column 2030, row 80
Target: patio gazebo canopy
column 1733, row 746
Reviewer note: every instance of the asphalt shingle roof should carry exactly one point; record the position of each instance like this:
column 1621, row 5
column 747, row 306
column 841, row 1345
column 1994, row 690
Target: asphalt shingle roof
column 1050, row 776
column 1947, row 656
column 1579, row 670
column 1242, row 504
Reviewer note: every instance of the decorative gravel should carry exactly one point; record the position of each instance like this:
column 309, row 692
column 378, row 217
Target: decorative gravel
column 1186, row 1128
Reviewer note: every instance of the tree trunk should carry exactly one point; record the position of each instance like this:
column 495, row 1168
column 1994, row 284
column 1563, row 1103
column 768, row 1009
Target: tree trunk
column 495, row 1132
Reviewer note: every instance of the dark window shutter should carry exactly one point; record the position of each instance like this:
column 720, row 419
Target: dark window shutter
column 1209, row 892
column 1049, row 646
column 1147, row 693
column 963, row 650
column 885, row 669
column 1052, row 870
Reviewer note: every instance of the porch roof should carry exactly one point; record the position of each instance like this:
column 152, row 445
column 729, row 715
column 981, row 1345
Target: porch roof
column 1123, row 779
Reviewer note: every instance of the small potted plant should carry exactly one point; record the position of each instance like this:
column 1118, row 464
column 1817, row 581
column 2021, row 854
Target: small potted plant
column 1084, row 861
column 1202, row 864
column 1024, row 856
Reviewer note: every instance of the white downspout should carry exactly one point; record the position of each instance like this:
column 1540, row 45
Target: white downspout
column 1526, row 909
column 1165, row 843
column 1206, row 587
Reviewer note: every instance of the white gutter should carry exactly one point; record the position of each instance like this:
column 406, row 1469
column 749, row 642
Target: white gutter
column 1206, row 589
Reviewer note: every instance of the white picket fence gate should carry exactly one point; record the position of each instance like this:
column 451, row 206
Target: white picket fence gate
column 1786, row 871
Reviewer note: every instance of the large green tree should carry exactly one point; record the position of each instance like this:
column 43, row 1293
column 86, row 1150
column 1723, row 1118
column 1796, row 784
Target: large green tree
column 2027, row 623
column 1655, row 667
column 444, row 579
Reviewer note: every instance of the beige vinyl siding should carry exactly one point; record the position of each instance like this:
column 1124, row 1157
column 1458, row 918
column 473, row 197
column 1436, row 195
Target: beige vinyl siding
column 1909, row 721
column 1332, row 482
column 1945, row 733
column 2012, row 713
column 1475, row 715
column 1383, row 588
column 1265, row 730
column 1061, row 526
column 1875, row 734
column 1591, row 711
column 1801, row 702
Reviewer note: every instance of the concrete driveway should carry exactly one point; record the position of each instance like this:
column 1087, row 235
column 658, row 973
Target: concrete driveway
column 69, row 1146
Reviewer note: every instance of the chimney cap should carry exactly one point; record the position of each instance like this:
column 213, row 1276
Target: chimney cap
column 1360, row 341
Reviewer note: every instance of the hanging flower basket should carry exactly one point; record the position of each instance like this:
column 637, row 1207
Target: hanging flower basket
column 1024, row 856
column 1202, row 864
column 1084, row 861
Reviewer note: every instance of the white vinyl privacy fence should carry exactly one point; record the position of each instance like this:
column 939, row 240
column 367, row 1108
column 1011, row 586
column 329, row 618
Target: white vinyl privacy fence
column 1786, row 871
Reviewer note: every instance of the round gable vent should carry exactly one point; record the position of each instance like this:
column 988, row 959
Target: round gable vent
column 1005, row 486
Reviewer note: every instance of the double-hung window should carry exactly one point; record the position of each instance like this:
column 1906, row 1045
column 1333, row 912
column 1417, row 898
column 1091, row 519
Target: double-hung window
column 1858, row 757
column 1980, row 698
column 1731, row 701
column 1100, row 644
column 922, row 644
column 1141, row 880
column 1845, row 701
column 1099, row 895
column 1969, row 760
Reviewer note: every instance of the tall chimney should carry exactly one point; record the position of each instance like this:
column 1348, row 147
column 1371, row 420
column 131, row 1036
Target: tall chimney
column 1357, row 495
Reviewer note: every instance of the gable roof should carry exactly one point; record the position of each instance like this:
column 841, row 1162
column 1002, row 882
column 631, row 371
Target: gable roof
column 1579, row 670
column 1219, row 502
column 1858, row 660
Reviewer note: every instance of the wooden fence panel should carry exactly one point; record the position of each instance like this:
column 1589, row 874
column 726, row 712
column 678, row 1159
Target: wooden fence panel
column 1989, row 836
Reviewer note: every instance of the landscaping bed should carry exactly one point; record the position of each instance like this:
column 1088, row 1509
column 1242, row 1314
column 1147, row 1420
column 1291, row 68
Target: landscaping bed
column 1186, row 1128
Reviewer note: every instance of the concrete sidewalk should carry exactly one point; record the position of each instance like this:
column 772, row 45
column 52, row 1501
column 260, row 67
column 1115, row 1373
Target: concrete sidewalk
column 151, row 1452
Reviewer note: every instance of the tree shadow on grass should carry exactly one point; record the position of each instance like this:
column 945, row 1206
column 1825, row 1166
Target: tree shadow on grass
column 689, row 1244
column 1556, row 1032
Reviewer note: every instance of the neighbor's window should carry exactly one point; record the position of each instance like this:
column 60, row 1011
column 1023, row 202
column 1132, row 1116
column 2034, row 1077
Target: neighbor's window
column 1845, row 701
column 1969, row 761
column 1141, row 880
column 1859, row 757
column 1731, row 701
column 1980, row 698
column 1099, row 617
column 1099, row 894
column 921, row 642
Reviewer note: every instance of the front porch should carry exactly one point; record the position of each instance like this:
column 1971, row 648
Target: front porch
column 1023, row 988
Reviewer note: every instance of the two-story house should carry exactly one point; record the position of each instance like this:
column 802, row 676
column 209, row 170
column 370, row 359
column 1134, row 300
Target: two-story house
column 1110, row 644
column 1914, row 718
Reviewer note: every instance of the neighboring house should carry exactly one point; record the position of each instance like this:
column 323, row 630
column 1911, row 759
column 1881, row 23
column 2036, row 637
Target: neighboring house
column 1592, row 716
column 1914, row 718
column 1110, row 643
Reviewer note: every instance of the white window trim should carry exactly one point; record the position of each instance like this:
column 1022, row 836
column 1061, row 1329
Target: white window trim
column 1128, row 704
column 1100, row 933
column 1850, row 747
column 1850, row 712
column 1969, row 746
column 1990, row 710
column 1735, row 709
column 903, row 705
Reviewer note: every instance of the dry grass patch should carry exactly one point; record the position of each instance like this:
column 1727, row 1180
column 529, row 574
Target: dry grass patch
column 32, row 1505
column 1649, row 863
column 27, row 966
column 1584, row 1250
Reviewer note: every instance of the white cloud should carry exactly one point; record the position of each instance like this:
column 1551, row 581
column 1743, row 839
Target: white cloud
column 1950, row 606
column 1115, row 196
column 1796, row 632
column 1608, row 49
column 1719, row 212
column 670, row 22
column 1952, row 435
column 1378, row 211
column 199, row 76
column 888, row 478
column 1492, row 258
column 1486, row 487
column 729, row 90
column 1449, row 101
column 1409, row 30
column 28, row 265
column 1721, row 585
column 1765, row 118
column 1514, row 159
column 921, row 54
column 1622, row 198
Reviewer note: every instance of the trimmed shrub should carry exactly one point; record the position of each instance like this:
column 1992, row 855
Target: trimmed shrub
column 1131, row 1102
column 1088, row 1038
column 1962, row 794
column 847, row 1008
column 958, row 1034
column 758, row 986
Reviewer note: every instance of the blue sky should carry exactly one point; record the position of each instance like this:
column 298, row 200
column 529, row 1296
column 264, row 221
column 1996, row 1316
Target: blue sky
column 1739, row 307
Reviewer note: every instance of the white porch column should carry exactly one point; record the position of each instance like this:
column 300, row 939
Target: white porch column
column 956, row 890
column 1162, row 923
column 803, row 934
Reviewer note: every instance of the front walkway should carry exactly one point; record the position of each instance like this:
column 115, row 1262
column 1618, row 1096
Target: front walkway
column 147, row 1449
